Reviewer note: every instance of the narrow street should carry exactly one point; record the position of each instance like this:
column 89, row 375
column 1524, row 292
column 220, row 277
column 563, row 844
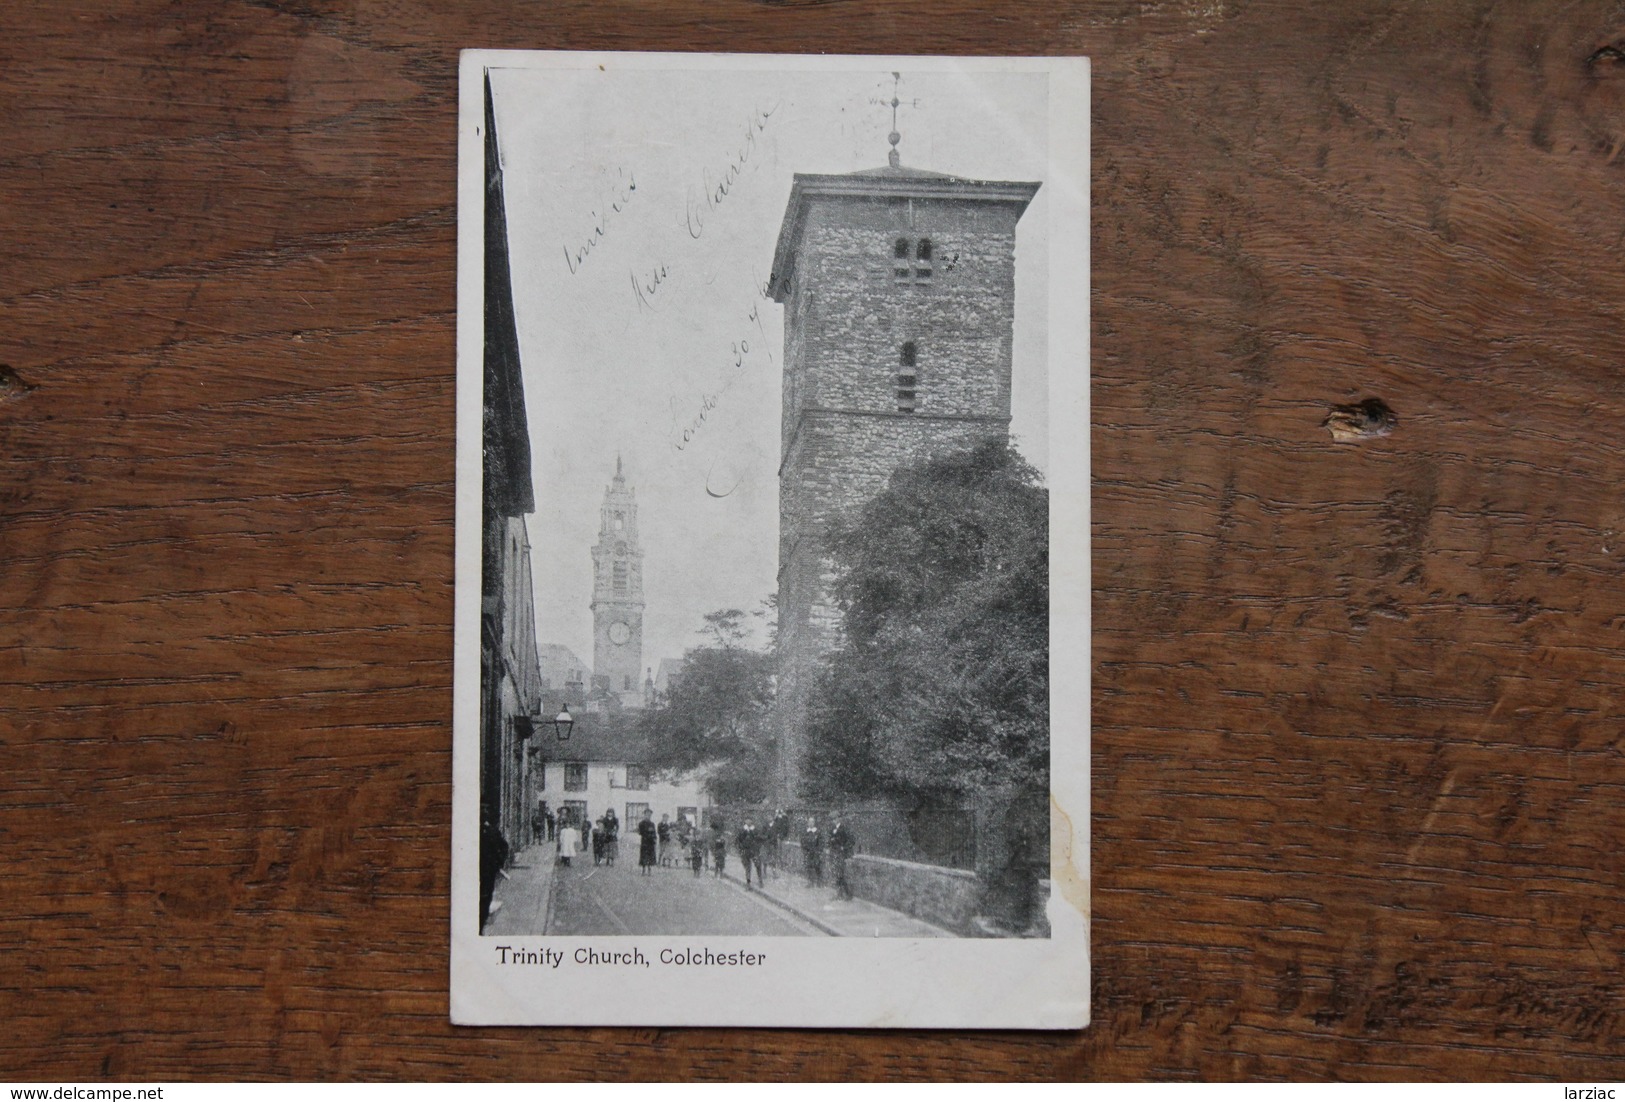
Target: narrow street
column 616, row 899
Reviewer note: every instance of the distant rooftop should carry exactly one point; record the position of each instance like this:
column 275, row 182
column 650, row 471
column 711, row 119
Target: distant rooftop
column 559, row 666
column 597, row 736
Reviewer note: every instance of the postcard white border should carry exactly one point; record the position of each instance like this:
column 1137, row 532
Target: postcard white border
column 805, row 982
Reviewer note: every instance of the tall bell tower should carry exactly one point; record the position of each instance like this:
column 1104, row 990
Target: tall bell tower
column 899, row 295
column 617, row 595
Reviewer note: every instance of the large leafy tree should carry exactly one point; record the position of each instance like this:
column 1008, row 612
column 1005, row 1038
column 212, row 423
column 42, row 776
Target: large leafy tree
column 939, row 690
column 715, row 714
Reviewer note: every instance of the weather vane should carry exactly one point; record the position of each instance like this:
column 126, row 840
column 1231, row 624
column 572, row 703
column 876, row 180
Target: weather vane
column 895, row 102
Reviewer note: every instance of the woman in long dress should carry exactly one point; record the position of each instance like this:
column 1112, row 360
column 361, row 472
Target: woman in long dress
column 648, row 835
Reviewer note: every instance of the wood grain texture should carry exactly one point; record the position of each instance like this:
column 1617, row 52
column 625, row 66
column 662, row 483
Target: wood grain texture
column 1359, row 785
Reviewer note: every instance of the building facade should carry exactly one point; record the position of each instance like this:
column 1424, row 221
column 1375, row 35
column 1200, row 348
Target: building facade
column 604, row 766
column 898, row 287
column 617, row 596
column 510, row 681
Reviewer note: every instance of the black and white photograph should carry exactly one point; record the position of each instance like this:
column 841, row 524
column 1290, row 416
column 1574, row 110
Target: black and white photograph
column 772, row 587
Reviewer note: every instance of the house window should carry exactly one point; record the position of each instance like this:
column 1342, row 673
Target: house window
column 575, row 776
column 634, row 814
column 637, row 777
column 907, row 378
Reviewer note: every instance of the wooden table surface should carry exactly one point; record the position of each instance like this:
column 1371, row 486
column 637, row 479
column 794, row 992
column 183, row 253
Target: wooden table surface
column 1359, row 786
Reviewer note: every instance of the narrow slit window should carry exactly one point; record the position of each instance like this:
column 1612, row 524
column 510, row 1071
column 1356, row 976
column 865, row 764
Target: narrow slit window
column 906, row 381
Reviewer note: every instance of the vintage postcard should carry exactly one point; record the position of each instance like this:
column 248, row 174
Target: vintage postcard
column 772, row 669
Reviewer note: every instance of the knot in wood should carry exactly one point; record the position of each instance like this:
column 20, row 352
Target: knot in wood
column 1361, row 421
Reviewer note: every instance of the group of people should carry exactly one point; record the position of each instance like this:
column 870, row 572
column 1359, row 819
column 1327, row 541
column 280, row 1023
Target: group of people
column 834, row 846
column 825, row 852
column 602, row 838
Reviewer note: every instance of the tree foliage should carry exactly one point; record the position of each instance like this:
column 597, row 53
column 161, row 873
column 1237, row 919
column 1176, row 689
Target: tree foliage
column 715, row 714
column 940, row 687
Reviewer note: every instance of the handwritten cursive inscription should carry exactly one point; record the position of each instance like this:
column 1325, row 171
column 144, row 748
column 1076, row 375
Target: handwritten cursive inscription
column 646, row 285
column 712, row 493
column 744, row 353
column 707, row 404
column 715, row 189
column 625, row 187
column 742, row 349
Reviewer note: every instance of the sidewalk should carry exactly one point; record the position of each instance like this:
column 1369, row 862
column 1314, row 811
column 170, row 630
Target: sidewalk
column 525, row 893
column 836, row 917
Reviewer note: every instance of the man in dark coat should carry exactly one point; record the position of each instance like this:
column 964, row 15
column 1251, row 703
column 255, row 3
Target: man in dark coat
column 750, row 842
column 812, row 853
column 778, row 832
column 843, row 843
column 719, row 846
column 493, row 855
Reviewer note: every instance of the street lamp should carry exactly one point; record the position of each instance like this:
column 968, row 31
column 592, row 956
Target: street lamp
column 563, row 722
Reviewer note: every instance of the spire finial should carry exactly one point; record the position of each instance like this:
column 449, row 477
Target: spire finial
column 618, row 476
column 894, row 137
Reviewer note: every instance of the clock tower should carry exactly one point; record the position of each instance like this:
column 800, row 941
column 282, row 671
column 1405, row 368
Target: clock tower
column 617, row 595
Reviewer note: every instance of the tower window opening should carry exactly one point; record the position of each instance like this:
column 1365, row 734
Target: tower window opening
column 922, row 259
column 620, row 577
column 900, row 254
column 906, row 381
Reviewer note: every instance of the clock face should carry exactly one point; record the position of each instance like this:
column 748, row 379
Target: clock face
column 619, row 633
column 620, row 547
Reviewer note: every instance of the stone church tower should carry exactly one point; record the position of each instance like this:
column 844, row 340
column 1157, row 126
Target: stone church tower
column 898, row 288
column 617, row 595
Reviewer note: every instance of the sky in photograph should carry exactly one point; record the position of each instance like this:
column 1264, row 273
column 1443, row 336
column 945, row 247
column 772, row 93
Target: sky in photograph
column 643, row 210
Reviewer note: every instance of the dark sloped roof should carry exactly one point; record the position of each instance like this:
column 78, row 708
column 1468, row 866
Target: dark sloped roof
column 597, row 736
